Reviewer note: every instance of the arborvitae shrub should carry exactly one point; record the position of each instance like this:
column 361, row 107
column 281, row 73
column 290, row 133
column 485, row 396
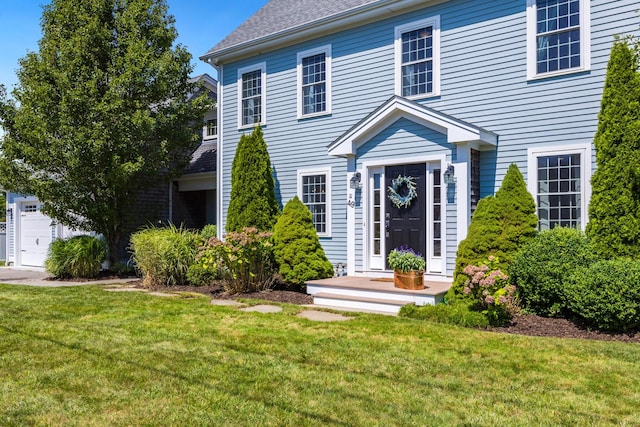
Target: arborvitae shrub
column 297, row 248
column 614, row 208
column 500, row 226
column 541, row 270
column 253, row 202
column 607, row 295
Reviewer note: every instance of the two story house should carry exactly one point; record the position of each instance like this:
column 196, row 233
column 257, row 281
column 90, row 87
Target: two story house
column 361, row 98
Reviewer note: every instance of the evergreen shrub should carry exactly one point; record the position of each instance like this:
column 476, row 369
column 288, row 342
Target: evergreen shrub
column 457, row 314
column 607, row 295
column 209, row 231
column 542, row 269
column 252, row 201
column 78, row 256
column 614, row 208
column 297, row 248
column 500, row 225
column 163, row 255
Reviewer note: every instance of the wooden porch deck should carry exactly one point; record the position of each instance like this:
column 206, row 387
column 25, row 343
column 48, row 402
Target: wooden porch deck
column 372, row 294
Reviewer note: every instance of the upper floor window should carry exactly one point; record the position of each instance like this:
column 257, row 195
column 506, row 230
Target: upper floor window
column 212, row 127
column 558, row 180
column 251, row 95
column 314, row 81
column 558, row 37
column 417, row 47
column 314, row 190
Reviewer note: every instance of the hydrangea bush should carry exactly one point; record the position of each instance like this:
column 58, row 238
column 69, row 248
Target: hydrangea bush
column 488, row 290
column 244, row 260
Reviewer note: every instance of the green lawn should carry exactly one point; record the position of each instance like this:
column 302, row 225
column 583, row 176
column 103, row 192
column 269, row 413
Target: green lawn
column 83, row 356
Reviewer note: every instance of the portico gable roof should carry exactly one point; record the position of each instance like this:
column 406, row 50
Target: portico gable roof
column 396, row 107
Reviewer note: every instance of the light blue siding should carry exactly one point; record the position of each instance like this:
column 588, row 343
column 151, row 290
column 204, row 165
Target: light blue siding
column 483, row 82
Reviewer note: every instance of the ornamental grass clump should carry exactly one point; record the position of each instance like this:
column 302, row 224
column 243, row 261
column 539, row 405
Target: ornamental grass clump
column 244, row 260
column 163, row 255
column 78, row 256
column 406, row 259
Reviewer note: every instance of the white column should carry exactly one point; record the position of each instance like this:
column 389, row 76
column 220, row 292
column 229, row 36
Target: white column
column 462, row 175
column 351, row 218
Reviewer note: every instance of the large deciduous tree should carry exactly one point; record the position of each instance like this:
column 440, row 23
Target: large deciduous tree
column 614, row 211
column 101, row 112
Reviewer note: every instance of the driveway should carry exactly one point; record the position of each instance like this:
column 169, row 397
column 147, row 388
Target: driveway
column 20, row 276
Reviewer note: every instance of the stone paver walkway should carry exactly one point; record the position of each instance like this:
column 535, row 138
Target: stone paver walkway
column 263, row 308
column 227, row 302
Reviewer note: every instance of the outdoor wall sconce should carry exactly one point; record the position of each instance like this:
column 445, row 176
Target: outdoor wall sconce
column 354, row 182
column 9, row 213
column 449, row 175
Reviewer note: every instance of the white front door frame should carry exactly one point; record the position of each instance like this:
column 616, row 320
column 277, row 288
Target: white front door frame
column 367, row 168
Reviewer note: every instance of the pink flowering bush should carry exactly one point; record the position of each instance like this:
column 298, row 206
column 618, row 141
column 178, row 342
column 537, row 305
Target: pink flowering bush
column 488, row 290
column 244, row 260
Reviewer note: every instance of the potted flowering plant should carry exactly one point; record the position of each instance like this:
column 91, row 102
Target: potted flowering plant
column 408, row 268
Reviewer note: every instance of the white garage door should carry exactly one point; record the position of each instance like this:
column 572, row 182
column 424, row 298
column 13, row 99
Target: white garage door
column 35, row 235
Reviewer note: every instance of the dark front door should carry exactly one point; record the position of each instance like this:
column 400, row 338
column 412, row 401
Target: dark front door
column 406, row 225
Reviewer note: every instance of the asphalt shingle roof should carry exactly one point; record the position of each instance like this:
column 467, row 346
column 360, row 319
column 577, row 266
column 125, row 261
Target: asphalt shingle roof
column 281, row 15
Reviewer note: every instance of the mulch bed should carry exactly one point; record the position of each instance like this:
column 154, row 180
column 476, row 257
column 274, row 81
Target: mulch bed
column 216, row 291
column 529, row 324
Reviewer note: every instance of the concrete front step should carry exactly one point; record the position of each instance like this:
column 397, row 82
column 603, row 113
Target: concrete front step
column 348, row 302
column 375, row 295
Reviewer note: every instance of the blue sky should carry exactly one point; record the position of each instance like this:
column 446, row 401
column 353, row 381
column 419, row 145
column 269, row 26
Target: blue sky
column 200, row 24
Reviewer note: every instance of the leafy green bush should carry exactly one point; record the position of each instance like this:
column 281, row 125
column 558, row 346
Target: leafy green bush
column 541, row 270
column 244, row 260
column 164, row 255
column 297, row 249
column 500, row 226
column 607, row 294
column 78, row 256
column 198, row 275
column 456, row 314
column 406, row 259
column 209, row 231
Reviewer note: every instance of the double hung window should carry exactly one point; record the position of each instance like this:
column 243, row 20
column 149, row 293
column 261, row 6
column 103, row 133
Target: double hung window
column 558, row 32
column 314, row 82
column 251, row 95
column 314, row 190
column 559, row 180
column 418, row 58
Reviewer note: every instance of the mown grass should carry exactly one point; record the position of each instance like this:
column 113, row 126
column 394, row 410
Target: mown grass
column 83, row 356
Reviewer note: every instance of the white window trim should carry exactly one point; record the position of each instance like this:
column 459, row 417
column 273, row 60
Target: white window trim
column 262, row 66
column 327, row 173
column 585, row 42
column 558, row 150
column 431, row 21
column 326, row 49
column 206, row 137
